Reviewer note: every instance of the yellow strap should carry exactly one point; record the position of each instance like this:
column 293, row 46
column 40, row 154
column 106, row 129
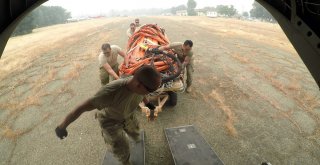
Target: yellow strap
column 143, row 46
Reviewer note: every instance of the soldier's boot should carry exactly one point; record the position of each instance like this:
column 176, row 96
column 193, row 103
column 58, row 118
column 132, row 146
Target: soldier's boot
column 127, row 161
column 189, row 89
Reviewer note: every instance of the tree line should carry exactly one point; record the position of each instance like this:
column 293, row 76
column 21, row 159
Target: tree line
column 41, row 17
column 257, row 11
column 51, row 15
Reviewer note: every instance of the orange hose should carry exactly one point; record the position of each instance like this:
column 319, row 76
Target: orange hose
column 137, row 55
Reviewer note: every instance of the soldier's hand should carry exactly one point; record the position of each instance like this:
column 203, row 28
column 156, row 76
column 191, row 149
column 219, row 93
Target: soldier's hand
column 61, row 133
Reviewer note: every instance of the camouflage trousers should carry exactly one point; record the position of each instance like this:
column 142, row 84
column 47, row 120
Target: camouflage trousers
column 104, row 75
column 115, row 134
column 189, row 70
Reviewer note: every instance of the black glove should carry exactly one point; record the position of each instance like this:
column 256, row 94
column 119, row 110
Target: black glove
column 151, row 106
column 61, row 133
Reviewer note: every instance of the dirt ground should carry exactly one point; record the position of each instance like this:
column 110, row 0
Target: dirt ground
column 253, row 98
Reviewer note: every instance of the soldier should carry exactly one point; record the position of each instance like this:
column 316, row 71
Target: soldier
column 117, row 102
column 108, row 63
column 137, row 21
column 185, row 55
column 131, row 30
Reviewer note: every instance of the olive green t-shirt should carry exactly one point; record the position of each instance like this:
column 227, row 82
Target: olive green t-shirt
column 115, row 101
column 112, row 59
column 177, row 47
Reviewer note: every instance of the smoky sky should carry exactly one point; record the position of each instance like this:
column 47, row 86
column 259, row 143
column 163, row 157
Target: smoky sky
column 94, row 7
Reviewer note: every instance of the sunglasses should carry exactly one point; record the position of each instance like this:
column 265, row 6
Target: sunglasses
column 106, row 53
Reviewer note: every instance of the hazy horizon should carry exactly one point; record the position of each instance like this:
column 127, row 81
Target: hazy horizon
column 103, row 7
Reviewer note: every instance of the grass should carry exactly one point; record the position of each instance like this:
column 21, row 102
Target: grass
column 37, row 91
column 52, row 75
column 270, row 77
column 16, row 106
column 294, row 89
column 32, row 100
column 229, row 124
column 220, row 101
column 35, row 49
column 11, row 134
column 227, row 111
column 287, row 115
column 65, row 89
column 74, row 72
column 277, row 107
column 294, row 85
column 315, row 135
column 308, row 101
column 240, row 58
column 255, row 68
column 8, row 133
column 36, row 44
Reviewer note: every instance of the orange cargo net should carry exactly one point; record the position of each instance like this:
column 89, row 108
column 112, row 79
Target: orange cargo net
column 148, row 36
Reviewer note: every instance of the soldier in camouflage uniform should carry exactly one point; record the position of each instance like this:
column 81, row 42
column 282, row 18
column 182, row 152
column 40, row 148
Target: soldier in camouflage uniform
column 108, row 62
column 117, row 102
column 131, row 30
column 137, row 22
column 185, row 55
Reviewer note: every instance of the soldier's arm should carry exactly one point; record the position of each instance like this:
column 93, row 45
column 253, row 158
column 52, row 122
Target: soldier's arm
column 125, row 58
column 186, row 61
column 61, row 130
column 74, row 114
column 108, row 68
column 166, row 47
column 122, row 54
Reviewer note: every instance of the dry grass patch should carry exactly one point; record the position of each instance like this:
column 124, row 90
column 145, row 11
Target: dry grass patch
column 226, row 109
column 241, row 58
column 8, row 133
column 229, row 124
column 276, row 106
column 74, row 72
column 248, row 30
column 294, row 85
column 65, row 89
column 18, row 59
column 11, row 134
column 255, row 68
column 52, row 75
column 16, row 107
column 304, row 99
column 315, row 135
column 270, row 77
column 32, row 100
column 287, row 115
column 308, row 101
